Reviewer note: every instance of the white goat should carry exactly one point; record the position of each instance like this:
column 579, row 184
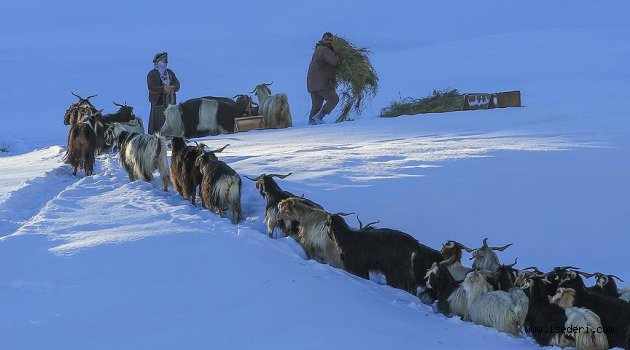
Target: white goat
column 274, row 108
column 485, row 257
column 582, row 324
column 141, row 154
column 498, row 309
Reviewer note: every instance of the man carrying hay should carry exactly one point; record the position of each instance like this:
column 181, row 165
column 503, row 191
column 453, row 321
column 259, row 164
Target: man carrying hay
column 321, row 80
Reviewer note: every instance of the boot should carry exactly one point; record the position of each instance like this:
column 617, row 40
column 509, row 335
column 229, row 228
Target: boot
column 317, row 118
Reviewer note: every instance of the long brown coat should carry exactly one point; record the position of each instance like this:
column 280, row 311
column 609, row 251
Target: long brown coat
column 159, row 100
column 323, row 69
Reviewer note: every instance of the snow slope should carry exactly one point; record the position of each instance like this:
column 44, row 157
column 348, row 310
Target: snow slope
column 101, row 263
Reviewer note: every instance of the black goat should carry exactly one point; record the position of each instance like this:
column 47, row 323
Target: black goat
column 422, row 259
column 614, row 312
column 504, row 278
column 375, row 249
column 273, row 194
column 605, row 285
column 545, row 321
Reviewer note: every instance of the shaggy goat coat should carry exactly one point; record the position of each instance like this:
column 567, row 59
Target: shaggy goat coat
column 220, row 188
column 185, row 174
column 82, row 147
column 141, row 154
column 312, row 231
column 582, row 324
column 376, row 249
column 450, row 296
column 274, row 108
column 497, row 309
column 613, row 312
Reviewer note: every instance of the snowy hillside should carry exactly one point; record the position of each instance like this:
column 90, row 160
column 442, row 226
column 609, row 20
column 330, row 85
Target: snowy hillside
column 101, row 263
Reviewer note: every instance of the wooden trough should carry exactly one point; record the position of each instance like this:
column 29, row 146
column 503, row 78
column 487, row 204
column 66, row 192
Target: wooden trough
column 488, row 101
column 248, row 123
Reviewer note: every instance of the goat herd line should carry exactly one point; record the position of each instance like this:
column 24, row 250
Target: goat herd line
column 555, row 308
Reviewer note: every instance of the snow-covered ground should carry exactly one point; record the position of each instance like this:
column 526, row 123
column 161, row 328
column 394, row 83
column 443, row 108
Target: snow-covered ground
column 101, row 263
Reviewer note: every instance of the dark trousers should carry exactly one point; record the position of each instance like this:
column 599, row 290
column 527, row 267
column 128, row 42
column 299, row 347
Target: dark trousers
column 318, row 98
column 156, row 119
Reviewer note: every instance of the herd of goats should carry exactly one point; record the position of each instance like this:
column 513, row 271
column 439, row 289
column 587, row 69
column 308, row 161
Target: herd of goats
column 555, row 308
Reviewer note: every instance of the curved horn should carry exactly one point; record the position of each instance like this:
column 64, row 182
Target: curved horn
column 372, row 223
column 268, row 83
column 586, row 274
column 567, row 268
column 531, row 268
column 501, row 248
column 220, row 149
column 616, row 278
column 344, row 214
column 118, row 104
column 89, row 97
column 464, row 247
column 77, row 96
column 360, row 223
column 255, row 179
column 280, row 176
column 512, row 265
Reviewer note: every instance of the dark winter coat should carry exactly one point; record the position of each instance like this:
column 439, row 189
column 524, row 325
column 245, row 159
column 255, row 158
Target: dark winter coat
column 157, row 97
column 323, row 69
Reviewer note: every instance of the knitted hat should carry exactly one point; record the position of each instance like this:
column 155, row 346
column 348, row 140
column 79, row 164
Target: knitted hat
column 159, row 56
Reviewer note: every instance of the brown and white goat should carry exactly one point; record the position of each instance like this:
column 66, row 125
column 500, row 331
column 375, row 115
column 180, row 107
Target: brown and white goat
column 140, row 154
column 452, row 254
column 312, row 231
column 274, row 108
column 273, row 195
column 82, row 146
column 82, row 108
column 185, row 174
column 220, row 187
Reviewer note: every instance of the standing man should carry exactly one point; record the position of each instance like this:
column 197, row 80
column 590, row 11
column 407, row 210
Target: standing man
column 163, row 85
column 321, row 80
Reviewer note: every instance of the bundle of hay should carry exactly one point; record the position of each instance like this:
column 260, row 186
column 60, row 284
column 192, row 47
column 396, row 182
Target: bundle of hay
column 356, row 77
column 438, row 102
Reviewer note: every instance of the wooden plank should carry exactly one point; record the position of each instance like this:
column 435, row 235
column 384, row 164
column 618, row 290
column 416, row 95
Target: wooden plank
column 248, row 123
column 509, row 99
